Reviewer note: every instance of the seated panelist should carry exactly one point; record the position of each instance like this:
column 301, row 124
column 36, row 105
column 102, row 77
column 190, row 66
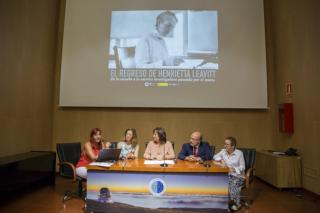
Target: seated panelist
column 196, row 149
column 233, row 159
column 129, row 147
column 90, row 151
column 159, row 148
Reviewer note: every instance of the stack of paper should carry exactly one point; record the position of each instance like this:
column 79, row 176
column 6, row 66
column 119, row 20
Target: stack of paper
column 157, row 162
column 102, row 164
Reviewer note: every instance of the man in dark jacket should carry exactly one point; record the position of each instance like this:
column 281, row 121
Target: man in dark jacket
column 196, row 149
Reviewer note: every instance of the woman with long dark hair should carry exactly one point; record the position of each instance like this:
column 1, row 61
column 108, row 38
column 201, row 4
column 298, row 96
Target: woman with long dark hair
column 159, row 148
column 90, row 151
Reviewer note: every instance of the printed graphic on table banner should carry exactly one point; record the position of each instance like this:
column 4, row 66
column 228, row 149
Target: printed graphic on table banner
column 158, row 190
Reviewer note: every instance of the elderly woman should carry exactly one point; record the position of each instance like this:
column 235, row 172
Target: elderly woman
column 159, row 148
column 234, row 160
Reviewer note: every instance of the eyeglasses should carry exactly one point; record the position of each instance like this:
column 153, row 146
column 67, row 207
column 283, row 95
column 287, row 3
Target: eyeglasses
column 195, row 139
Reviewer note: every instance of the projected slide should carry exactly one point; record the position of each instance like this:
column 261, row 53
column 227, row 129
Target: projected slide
column 163, row 54
column 163, row 48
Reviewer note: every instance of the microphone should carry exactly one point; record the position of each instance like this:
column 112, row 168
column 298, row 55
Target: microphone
column 124, row 163
column 123, row 158
column 164, row 164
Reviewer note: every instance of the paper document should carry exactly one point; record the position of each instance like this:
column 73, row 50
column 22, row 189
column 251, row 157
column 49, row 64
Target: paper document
column 278, row 153
column 102, row 164
column 157, row 162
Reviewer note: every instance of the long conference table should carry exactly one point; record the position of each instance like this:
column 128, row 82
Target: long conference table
column 181, row 185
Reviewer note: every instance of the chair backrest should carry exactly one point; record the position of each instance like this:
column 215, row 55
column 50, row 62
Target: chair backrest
column 113, row 144
column 124, row 57
column 68, row 152
column 213, row 149
column 249, row 155
column 146, row 144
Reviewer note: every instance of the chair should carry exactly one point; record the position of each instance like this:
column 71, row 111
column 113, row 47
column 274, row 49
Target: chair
column 114, row 145
column 248, row 194
column 124, row 57
column 146, row 144
column 69, row 155
column 249, row 155
column 212, row 148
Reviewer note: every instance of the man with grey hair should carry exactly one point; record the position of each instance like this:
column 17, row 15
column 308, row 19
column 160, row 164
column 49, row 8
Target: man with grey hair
column 151, row 51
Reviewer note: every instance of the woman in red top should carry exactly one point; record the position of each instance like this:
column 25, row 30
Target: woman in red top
column 90, row 152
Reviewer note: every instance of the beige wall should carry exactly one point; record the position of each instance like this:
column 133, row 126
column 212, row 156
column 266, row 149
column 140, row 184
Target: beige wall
column 253, row 129
column 27, row 61
column 296, row 41
column 31, row 119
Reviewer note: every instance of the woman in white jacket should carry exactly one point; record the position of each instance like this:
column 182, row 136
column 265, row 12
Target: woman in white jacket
column 234, row 160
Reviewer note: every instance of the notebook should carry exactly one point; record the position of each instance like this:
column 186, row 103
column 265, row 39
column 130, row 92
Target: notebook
column 109, row 155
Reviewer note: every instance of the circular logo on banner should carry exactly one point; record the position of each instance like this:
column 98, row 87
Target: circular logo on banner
column 157, row 187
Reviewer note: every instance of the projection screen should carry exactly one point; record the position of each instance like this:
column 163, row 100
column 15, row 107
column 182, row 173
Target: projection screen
column 164, row 54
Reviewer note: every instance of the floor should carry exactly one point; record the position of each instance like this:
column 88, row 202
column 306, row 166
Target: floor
column 266, row 199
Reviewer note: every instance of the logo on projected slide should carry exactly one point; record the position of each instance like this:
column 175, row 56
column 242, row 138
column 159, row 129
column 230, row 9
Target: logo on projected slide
column 157, row 187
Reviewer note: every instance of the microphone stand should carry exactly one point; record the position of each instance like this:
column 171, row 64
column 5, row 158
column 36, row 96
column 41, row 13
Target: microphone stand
column 124, row 163
column 164, row 164
column 206, row 163
column 124, row 160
